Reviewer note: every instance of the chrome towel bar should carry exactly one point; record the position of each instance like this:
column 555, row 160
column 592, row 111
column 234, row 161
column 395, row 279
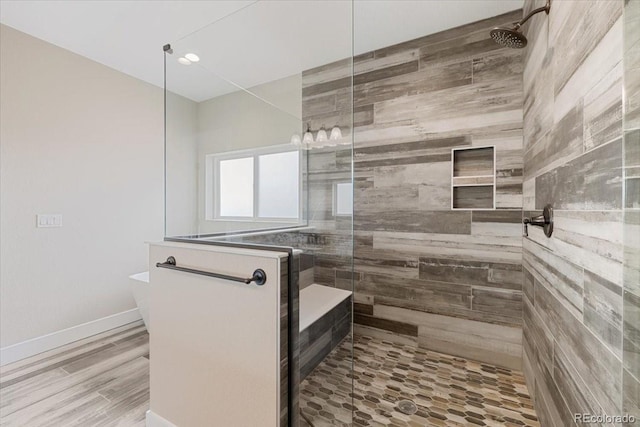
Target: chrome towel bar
column 259, row 276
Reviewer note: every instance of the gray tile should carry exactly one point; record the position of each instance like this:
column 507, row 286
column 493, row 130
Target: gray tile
column 386, row 324
column 571, row 43
column 452, row 34
column 592, row 181
column 501, row 216
column 363, row 308
column 385, row 199
column 550, row 405
column 505, row 276
column 326, row 86
column 631, row 395
column 631, row 252
column 598, row 365
column 537, row 339
column 410, row 148
column 374, row 261
column 426, row 80
column 538, row 99
column 564, row 279
column 603, row 310
column 384, row 73
column 461, row 109
column 603, row 110
column 414, row 221
column 528, row 285
column 631, row 333
column 414, row 293
column 502, row 302
column 456, row 50
column 498, row 65
column 574, row 391
column 563, row 143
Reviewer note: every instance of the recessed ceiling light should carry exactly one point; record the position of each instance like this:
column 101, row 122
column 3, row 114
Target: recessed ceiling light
column 192, row 57
column 184, row 61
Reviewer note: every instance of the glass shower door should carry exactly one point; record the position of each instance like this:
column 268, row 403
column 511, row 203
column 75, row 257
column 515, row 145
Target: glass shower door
column 259, row 124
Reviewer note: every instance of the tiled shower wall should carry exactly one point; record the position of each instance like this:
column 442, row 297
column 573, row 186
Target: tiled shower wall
column 631, row 275
column 424, row 273
column 573, row 160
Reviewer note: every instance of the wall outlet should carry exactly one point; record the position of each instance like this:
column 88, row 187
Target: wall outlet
column 49, row 220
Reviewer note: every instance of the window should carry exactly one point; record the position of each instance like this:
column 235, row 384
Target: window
column 236, row 187
column 254, row 185
column 343, row 204
column 278, row 192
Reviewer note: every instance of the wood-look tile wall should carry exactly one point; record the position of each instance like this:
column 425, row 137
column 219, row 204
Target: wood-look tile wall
column 631, row 238
column 573, row 305
column 420, row 266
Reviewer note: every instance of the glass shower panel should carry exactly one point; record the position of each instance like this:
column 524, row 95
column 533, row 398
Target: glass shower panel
column 215, row 141
column 259, row 128
column 631, row 295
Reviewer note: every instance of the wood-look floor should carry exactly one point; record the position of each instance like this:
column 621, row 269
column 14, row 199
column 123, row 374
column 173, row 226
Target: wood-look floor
column 104, row 381
column 99, row 381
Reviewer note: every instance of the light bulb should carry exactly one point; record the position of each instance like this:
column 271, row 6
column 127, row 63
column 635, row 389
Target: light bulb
column 336, row 133
column 321, row 136
column 184, row 61
column 307, row 138
column 295, row 140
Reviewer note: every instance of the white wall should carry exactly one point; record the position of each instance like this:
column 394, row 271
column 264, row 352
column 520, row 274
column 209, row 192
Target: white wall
column 182, row 168
column 267, row 116
column 85, row 141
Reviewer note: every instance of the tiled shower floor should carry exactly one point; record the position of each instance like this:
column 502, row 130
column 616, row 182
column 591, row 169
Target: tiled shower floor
column 448, row 390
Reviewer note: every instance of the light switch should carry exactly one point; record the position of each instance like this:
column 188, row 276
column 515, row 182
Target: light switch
column 49, row 220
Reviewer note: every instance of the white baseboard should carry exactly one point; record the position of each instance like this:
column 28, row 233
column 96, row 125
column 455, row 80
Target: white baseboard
column 24, row 349
column 155, row 420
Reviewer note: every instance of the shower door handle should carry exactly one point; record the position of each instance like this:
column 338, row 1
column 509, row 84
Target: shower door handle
column 259, row 276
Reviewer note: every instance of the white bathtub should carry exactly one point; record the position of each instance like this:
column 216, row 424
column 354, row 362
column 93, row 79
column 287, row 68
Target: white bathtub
column 141, row 290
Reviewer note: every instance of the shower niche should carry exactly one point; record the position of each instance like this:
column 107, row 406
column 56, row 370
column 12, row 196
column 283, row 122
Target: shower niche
column 473, row 178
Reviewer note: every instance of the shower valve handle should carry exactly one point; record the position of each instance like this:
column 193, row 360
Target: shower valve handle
column 545, row 221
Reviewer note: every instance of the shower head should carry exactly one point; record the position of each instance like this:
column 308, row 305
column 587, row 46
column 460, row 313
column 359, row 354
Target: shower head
column 512, row 37
column 509, row 37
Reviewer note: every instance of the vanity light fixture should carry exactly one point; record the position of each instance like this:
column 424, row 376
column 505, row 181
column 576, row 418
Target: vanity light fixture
column 322, row 139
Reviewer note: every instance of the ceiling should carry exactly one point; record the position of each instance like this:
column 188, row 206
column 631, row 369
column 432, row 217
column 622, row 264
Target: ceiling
column 249, row 42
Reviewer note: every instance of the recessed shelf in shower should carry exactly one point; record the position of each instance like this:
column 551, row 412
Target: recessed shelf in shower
column 473, row 178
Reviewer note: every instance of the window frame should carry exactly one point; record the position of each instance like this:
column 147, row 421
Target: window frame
column 212, row 183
